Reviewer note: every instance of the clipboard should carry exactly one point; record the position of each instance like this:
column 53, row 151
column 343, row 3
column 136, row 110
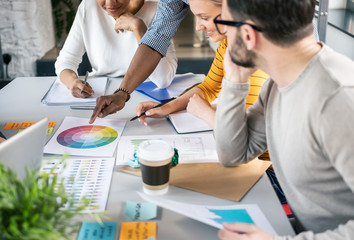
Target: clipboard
column 230, row 183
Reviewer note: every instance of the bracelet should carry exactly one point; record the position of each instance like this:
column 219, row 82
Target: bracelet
column 123, row 90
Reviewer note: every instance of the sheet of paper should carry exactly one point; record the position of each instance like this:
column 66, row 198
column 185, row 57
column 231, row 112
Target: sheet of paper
column 96, row 231
column 59, row 94
column 184, row 122
column 137, row 230
column 192, row 148
column 216, row 215
column 90, row 178
column 76, row 136
column 140, row 211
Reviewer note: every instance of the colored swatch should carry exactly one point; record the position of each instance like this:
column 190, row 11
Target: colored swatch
column 89, row 136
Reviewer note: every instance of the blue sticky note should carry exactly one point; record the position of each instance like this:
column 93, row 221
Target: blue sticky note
column 150, row 238
column 140, row 211
column 232, row 215
column 96, row 231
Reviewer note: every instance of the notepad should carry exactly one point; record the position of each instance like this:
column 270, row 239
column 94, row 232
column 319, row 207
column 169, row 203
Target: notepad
column 180, row 83
column 184, row 122
column 58, row 94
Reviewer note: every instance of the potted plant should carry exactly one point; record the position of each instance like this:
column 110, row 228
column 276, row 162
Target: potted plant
column 33, row 208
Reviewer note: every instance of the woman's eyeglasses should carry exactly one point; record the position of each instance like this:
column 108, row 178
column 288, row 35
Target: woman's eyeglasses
column 217, row 20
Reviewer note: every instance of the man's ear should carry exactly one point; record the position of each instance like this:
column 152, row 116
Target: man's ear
column 249, row 36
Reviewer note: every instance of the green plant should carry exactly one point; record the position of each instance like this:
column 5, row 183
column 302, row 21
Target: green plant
column 64, row 12
column 32, row 208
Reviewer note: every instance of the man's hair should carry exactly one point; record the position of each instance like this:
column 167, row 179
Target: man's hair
column 283, row 22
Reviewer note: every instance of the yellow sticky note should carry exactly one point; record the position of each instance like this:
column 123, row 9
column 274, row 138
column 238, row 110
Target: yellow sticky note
column 13, row 125
column 137, row 230
column 51, row 124
column 50, row 131
column 27, row 124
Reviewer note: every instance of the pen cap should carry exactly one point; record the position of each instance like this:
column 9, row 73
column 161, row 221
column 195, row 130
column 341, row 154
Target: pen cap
column 155, row 150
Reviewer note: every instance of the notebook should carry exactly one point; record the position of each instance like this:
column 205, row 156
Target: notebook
column 184, row 122
column 25, row 148
column 58, row 94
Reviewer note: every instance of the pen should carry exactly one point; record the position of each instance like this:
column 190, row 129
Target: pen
column 85, row 80
column 158, row 105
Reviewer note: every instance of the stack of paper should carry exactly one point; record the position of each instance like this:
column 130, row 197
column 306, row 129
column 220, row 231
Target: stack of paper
column 58, row 94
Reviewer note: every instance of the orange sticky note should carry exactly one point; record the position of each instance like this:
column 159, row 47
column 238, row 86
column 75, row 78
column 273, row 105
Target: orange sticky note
column 51, row 124
column 27, row 124
column 137, row 231
column 13, row 125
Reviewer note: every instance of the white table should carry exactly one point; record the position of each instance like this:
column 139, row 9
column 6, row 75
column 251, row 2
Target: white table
column 20, row 101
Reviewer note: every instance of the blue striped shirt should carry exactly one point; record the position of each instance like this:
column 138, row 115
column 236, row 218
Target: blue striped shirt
column 169, row 15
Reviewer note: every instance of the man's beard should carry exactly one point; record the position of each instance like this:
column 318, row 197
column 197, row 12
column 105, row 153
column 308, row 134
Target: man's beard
column 245, row 57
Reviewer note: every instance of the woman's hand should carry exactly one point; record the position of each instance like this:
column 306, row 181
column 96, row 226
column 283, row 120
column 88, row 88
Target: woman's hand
column 79, row 89
column 202, row 109
column 129, row 22
column 150, row 111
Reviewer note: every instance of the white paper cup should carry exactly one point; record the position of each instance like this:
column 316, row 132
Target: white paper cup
column 155, row 160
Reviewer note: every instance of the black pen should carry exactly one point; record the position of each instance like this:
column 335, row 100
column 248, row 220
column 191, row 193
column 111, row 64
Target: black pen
column 85, row 80
column 158, row 105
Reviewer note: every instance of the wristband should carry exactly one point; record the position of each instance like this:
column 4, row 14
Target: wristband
column 123, row 90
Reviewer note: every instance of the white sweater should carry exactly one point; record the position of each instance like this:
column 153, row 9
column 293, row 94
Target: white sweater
column 109, row 53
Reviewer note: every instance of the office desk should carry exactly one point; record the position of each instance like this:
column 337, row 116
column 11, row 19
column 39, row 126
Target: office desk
column 20, row 101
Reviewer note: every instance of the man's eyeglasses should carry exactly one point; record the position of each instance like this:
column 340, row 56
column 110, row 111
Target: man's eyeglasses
column 217, row 20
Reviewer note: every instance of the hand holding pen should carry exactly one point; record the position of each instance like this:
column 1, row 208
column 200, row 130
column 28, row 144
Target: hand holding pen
column 151, row 109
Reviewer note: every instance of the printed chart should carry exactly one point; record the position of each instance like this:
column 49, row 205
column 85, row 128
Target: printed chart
column 77, row 137
column 89, row 136
column 89, row 178
column 192, row 148
column 216, row 215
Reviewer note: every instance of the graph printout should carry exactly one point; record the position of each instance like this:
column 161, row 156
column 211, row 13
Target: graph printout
column 76, row 136
column 192, row 148
column 216, row 215
column 89, row 177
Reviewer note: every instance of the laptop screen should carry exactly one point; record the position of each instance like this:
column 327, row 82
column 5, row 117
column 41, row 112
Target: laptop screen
column 25, row 149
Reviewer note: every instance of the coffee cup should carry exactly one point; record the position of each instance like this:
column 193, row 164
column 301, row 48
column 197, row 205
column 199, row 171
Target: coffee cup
column 155, row 160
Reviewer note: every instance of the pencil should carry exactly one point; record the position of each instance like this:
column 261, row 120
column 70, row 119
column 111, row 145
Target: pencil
column 158, row 105
column 85, row 80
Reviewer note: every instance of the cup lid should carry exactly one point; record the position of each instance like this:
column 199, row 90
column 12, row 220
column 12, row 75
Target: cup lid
column 155, row 150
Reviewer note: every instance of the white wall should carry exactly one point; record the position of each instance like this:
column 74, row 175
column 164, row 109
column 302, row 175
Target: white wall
column 332, row 4
column 27, row 33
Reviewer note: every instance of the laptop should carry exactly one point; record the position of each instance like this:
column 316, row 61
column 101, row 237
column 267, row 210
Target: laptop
column 25, row 149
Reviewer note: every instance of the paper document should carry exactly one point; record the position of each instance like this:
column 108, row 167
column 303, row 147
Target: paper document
column 180, row 83
column 76, row 136
column 216, row 215
column 85, row 177
column 185, row 122
column 58, row 94
column 192, row 148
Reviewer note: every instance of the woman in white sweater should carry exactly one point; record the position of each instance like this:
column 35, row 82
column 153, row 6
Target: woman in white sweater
column 109, row 32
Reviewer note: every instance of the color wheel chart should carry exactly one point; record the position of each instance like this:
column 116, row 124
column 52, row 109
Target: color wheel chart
column 89, row 136
column 76, row 137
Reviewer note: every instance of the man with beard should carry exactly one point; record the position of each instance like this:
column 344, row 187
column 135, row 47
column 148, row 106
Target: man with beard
column 303, row 116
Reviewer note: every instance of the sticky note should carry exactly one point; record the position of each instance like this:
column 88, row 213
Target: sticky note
column 50, row 131
column 27, row 124
column 140, row 211
column 137, row 230
column 232, row 215
column 13, row 125
column 51, row 124
column 96, row 231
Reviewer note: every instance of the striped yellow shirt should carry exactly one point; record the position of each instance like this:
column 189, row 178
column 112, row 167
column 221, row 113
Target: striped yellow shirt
column 211, row 85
